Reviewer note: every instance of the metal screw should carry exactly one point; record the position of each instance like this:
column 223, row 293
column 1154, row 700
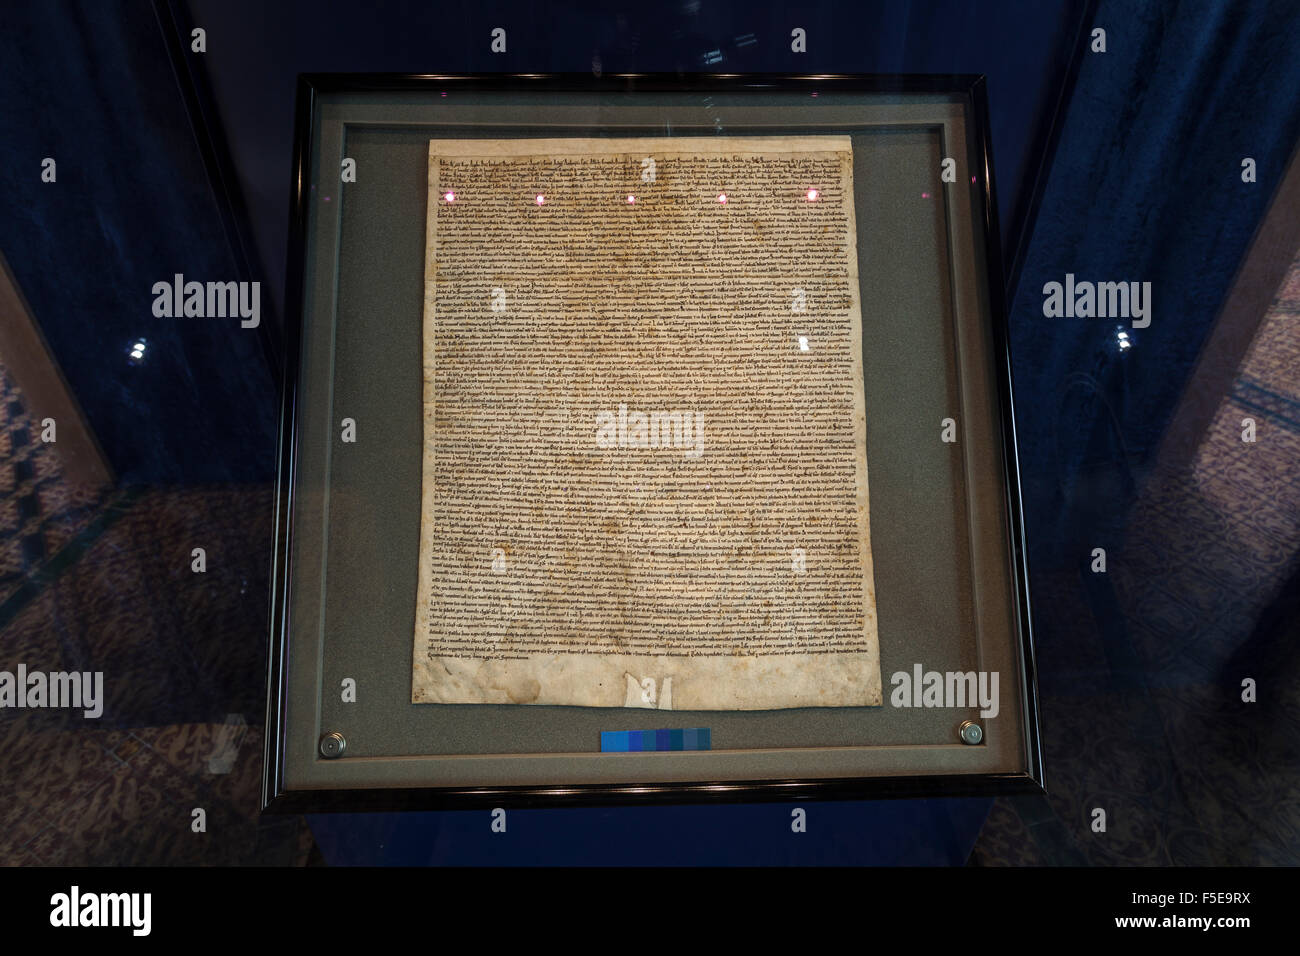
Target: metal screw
column 332, row 745
column 970, row 732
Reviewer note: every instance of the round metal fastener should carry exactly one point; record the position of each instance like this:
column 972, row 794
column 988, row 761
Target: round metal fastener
column 970, row 732
column 332, row 745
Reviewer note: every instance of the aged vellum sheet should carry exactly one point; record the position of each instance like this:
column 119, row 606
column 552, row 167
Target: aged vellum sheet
column 645, row 474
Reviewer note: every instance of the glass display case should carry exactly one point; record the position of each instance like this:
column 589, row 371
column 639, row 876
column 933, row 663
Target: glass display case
column 646, row 438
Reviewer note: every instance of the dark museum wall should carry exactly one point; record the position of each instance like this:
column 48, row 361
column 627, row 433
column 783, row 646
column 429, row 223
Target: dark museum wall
column 91, row 86
column 1122, row 165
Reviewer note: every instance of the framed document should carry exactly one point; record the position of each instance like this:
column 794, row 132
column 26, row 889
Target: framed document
column 645, row 438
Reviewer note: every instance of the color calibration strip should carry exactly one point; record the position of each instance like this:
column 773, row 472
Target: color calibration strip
column 646, row 741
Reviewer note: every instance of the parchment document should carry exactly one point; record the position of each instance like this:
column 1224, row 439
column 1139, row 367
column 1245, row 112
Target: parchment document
column 645, row 472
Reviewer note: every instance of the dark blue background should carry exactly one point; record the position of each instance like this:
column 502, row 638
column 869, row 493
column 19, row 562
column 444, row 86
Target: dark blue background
column 181, row 164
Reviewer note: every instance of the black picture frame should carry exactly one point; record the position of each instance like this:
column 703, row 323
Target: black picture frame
column 279, row 797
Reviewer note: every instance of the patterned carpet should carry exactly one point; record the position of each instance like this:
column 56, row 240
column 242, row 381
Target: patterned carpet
column 40, row 512
column 80, row 576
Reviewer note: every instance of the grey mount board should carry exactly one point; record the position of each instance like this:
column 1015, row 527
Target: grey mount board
column 943, row 590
